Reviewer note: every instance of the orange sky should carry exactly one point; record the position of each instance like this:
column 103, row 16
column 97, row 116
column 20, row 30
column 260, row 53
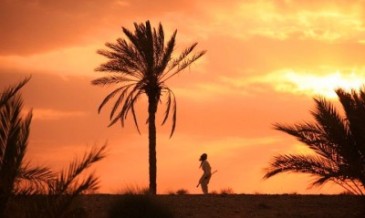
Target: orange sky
column 265, row 62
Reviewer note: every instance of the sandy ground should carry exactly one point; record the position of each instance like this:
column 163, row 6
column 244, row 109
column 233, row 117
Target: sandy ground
column 251, row 206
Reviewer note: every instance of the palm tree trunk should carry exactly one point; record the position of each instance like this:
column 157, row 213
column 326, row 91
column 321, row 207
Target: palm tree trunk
column 152, row 107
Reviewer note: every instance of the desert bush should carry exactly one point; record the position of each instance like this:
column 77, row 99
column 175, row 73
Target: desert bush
column 134, row 190
column 182, row 192
column 139, row 206
column 227, row 191
column 214, row 192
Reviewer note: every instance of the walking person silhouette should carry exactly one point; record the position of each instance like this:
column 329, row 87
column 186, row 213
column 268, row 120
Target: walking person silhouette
column 204, row 179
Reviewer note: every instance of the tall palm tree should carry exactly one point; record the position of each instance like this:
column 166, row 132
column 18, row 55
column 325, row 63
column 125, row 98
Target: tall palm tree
column 338, row 141
column 142, row 65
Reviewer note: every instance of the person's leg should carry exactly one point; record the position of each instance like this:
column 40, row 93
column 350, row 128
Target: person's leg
column 204, row 186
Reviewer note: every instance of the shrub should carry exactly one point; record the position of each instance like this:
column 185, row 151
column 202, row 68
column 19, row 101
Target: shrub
column 182, row 192
column 227, row 191
column 134, row 190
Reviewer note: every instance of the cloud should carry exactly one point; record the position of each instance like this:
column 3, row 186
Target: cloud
column 327, row 21
column 36, row 26
column 51, row 114
column 316, row 81
column 67, row 61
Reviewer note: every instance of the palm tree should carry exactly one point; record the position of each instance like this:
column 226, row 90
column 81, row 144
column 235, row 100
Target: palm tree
column 142, row 65
column 60, row 192
column 337, row 140
column 19, row 177
column 14, row 133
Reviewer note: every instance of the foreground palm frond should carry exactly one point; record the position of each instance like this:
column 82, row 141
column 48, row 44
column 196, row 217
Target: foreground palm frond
column 11, row 91
column 19, row 178
column 58, row 200
column 16, row 176
column 67, row 180
column 339, row 144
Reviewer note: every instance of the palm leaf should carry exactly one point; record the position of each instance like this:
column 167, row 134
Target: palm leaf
column 68, row 176
column 11, row 91
column 171, row 102
column 316, row 166
column 337, row 141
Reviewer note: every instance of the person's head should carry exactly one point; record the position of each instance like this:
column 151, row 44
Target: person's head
column 203, row 157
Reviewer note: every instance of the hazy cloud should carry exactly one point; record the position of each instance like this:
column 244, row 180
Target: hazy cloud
column 50, row 114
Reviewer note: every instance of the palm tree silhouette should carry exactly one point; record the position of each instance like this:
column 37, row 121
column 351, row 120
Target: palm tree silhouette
column 16, row 175
column 142, row 66
column 338, row 141
column 19, row 177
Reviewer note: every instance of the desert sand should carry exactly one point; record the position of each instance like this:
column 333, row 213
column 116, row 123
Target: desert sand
column 242, row 205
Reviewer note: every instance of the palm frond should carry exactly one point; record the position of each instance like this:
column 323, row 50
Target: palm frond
column 166, row 55
column 158, row 44
column 11, row 91
column 108, row 80
column 12, row 153
column 311, row 135
column 120, row 99
column 182, row 56
column 339, row 143
column 109, row 96
column 317, row 166
column 128, row 63
column 68, row 177
column 182, row 62
column 33, row 180
column 129, row 99
column 354, row 106
column 334, row 126
column 170, row 105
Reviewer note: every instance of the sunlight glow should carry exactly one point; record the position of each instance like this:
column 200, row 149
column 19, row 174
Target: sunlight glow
column 316, row 83
column 312, row 83
column 324, row 84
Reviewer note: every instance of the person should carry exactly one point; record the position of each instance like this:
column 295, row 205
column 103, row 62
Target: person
column 204, row 180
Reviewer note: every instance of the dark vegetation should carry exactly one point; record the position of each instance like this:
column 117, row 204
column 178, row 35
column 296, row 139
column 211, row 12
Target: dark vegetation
column 53, row 193
column 338, row 141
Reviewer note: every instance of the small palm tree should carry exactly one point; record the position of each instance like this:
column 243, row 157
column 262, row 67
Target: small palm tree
column 338, row 141
column 142, row 65
column 16, row 175
column 61, row 191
